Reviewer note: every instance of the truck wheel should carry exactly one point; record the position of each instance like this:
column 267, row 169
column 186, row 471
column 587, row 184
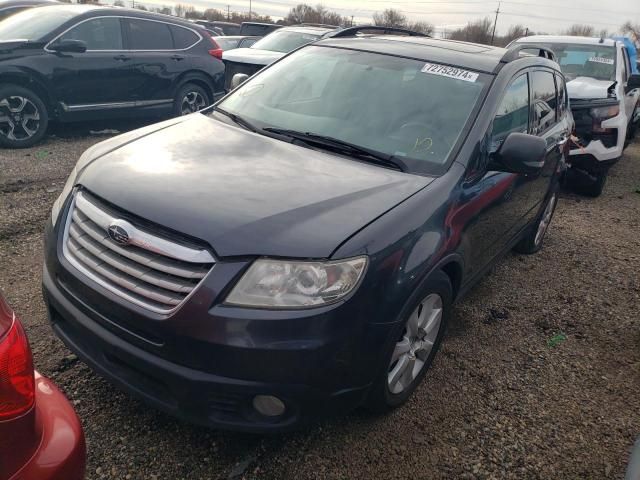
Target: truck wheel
column 532, row 242
column 413, row 345
column 23, row 117
column 190, row 98
column 594, row 188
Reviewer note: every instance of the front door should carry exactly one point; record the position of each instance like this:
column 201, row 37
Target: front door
column 495, row 203
column 97, row 78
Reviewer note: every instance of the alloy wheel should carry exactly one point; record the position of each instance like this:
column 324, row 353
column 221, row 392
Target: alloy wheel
column 412, row 351
column 19, row 118
column 546, row 219
column 192, row 102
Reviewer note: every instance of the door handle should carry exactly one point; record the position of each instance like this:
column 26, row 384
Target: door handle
column 122, row 58
column 177, row 57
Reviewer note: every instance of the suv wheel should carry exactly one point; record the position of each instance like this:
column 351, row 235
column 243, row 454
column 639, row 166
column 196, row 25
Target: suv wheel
column 23, row 117
column 416, row 343
column 534, row 238
column 191, row 98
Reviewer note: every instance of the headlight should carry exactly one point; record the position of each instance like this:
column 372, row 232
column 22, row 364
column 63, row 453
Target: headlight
column 57, row 205
column 604, row 113
column 287, row 284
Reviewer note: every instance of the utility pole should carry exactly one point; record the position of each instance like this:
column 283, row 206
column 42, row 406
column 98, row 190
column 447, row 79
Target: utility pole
column 352, row 20
column 249, row 9
column 493, row 35
column 228, row 12
column 526, row 32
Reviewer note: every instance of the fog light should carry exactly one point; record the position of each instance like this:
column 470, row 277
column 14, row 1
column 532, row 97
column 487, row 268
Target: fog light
column 268, row 405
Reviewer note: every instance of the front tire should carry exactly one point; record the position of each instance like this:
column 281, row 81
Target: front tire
column 414, row 345
column 191, row 98
column 23, row 117
column 534, row 238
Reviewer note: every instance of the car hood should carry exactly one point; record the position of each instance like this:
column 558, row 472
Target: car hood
column 584, row 88
column 241, row 192
column 254, row 56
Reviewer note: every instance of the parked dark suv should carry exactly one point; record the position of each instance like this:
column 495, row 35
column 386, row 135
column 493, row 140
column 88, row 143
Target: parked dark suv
column 296, row 252
column 81, row 62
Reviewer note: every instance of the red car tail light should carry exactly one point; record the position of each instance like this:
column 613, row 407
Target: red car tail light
column 17, row 382
column 216, row 51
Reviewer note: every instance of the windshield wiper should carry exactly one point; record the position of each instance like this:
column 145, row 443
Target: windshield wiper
column 236, row 119
column 342, row 146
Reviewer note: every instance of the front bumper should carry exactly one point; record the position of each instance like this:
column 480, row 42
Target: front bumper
column 61, row 453
column 206, row 362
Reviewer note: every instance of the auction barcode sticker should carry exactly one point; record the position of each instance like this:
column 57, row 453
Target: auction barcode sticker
column 607, row 61
column 451, row 72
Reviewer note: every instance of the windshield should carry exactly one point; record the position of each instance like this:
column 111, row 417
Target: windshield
column 595, row 61
column 397, row 106
column 35, row 23
column 227, row 43
column 284, row 41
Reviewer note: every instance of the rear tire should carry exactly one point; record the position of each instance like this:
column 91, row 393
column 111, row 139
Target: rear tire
column 413, row 345
column 23, row 117
column 534, row 239
column 190, row 98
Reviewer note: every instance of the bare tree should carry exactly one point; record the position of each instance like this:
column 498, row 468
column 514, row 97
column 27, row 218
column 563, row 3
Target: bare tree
column 390, row 18
column 478, row 31
column 579, row 30
column 141, row 7
column 303, row 13
column 632, row 29
column 514, row 32
column 425, row 28
column 164, row 10
column 118, row 3
column 179, row 9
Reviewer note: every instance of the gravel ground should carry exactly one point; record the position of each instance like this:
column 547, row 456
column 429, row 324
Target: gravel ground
column 539, row 376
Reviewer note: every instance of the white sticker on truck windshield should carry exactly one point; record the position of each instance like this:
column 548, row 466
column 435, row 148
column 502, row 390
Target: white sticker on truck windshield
column 451, row 72
column 607, row 61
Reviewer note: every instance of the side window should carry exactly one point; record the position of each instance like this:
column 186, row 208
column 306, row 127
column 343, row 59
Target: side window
column 544, row 100
column 513, row 112
column 99, row 33
column 148, row 35
column 183, row 38
column 563, row 102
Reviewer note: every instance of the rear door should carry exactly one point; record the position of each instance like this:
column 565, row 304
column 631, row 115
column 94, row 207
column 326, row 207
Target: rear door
column 96, row 78
column 158, row 56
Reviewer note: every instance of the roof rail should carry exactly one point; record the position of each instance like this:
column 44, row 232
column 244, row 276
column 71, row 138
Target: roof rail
column 353, row 31
column 514, row 52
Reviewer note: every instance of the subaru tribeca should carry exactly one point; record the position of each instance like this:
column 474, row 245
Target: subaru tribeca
column 295, row 251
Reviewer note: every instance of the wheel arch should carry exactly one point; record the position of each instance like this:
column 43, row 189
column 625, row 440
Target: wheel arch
column 30, row 82
column 198, row 78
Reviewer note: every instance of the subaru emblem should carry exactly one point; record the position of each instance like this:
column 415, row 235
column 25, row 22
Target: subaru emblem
column 118, row 234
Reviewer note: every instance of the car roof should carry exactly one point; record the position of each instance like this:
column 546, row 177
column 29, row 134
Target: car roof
column 18, row 3
column 483, row 58
column 82, row 9
column 567, row 39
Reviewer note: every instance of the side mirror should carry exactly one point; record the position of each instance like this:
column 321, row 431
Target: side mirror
column 69, row 46
column 520, row 153
column 238, row 79
column 633, row 82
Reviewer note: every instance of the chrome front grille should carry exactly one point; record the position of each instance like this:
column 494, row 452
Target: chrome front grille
column 147, row 269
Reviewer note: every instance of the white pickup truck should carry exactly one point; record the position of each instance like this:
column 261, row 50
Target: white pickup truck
column 604, row 95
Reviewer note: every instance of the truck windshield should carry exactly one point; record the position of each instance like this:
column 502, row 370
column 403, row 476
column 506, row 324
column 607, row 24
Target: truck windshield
column 284, row 41
column 405, row 108
column 595, row 61
column 35, row 23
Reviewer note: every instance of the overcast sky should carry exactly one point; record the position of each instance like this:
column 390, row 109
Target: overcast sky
column 550, row 16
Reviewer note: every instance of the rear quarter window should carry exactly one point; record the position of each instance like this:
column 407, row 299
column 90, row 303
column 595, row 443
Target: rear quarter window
column 149, row 35
column 183, row 37
column 544, row 100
